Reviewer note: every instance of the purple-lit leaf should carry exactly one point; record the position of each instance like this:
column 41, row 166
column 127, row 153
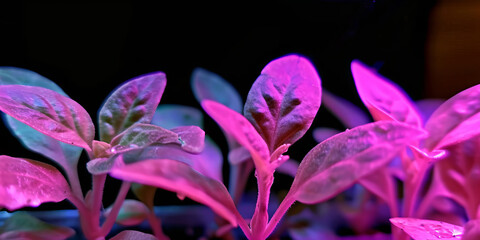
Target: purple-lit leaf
column 23, row 226
column 289, row 168
column 455, row 120
column 322, row 134
column 209, row 86
column 237, row 126
column 457, row 175
column 421, row 229
column 381, row 183
column 131, row 213
column 338, row 162
column 26, row 182
column 49, row 113
column 472, row 230
column 192, row 138
column 178, row 177
column 133, row 235
column 133, row 102
column 426, row 107
column 142, row 135
column 20, row 76
column 284, row 100
column 350, row 115
column 64, row 154
column 383, row 98
column 170, row 116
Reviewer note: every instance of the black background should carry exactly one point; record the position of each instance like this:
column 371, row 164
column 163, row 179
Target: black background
column 90, row 48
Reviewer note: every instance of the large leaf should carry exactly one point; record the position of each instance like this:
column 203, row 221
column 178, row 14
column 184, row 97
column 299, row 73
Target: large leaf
column 26, row 182
column 383, row 98
column 20, row 76
column 421, row 229
column 133, row 235
column 338, row 162
column 350, row 115
column 64, row 154
column 23, row 226
column 284, row 100
column 209, row 86
column 170, row 116
column 133, row 102
column 49, row 113
column 178, row 177
column 455, row 120
column 237, row 126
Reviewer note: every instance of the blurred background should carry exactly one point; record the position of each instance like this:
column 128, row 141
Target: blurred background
column 430, row 48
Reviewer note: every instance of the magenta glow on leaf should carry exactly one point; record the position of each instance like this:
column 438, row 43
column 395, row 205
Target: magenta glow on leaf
column 384, row 99
column 421, row 229
column 26, row 182
column 178, row 177
column 284, row 100
column 48, row 112
column 350, row 115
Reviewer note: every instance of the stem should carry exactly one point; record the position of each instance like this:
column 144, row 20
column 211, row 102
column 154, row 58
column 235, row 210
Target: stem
column 243, row 225
column 112, row 216
column 97, row 195
column 412, row 189
column 260, row 217
column 72, row 175
column 156, row 225
column 279, row 213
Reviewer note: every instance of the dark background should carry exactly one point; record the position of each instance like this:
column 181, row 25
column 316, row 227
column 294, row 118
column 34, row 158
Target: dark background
column 90, row 48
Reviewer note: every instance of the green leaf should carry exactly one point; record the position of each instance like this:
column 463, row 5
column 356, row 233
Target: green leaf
column 20, row 76
column 145, row 193
column 23, row 226
column 133, row 102
column 131, row 213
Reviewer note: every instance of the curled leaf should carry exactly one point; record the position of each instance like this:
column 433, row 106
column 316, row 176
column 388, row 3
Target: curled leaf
column 421, row 229
column 48, row 112
column 284, row 100
column 26, row 182
column 338, row 162
column 23, row 226
column 133, row 102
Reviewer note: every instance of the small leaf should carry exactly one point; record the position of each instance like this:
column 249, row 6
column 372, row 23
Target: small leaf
column 421, row 229
column 26, row 182
column 20, row 76
column 133, row 235
column 209, row 86
column 284, row 100
column 192, row 138
column 133, row 102
column 23, row 226
column 178, row 177
column 170, row 116
column 338, row 162
column 142, row 135
column 455, row 120
column 323, row 133
column 145, row 193
column 383, row 98
column 64, row 154
column 237, row 126
column 49, row 113
column 350, row 115
column 131, row 213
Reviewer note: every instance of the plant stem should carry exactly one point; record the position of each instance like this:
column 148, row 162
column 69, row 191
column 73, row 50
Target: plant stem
column 97, row 195
column 279, row 213
column 112, row 216
column 243, row 225
column 260, row 217
column 156, row 225
column 72, row 175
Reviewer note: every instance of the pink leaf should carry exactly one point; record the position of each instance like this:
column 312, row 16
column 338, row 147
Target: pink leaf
column 26, row 182
column 322, row 134
column 48, row 112
column 384, row 99
column 133, row 235
column 133, row 102
column 142, row 135
column 192, row 138
column 239, row 127
column 350, row 115
column 284, row 100
column 178, row 177
column 421, row 229
column 455, row 120
column 338, row 162
column 381, row 183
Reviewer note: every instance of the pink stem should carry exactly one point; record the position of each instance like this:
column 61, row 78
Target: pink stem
column 260, row 216
column 112, row 216
column 156, row 225
column 279, row 213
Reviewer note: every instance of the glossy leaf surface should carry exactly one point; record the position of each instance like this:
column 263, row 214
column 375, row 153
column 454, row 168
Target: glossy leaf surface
column 455, row 120
column 284, row 100
column 26, row 182
column 178, row 177
column 237, row 126
column 338, row 162
column 131, row 213
column 49, row 113
column 23, row 226
column 384, row 99
column 133, row 235
column 133, row 102
column 421, row 229
column 170, row 116
column 207, row 85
